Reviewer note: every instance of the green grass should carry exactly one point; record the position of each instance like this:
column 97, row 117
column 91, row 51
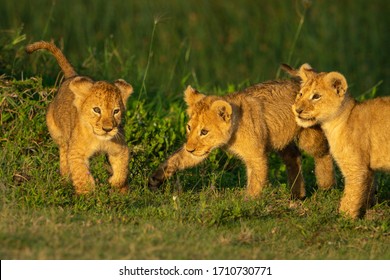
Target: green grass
column 201, row 213
column 160, row 47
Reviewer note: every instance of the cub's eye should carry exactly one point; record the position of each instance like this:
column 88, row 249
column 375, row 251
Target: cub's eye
column 96, row 110
column 188, row 127
column 116, row 111
column 204, row 132
column 316, row 96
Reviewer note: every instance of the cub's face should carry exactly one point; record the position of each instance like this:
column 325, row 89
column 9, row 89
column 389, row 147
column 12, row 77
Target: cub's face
column 320, row 98
column 210, row 123
column 100, row 105
column 103, row 110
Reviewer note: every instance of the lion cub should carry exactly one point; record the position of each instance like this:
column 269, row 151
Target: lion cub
column 249, row 124
column 84, row 118
column 358, row 133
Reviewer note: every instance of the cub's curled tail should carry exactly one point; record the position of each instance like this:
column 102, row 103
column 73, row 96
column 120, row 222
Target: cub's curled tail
column 61, row 59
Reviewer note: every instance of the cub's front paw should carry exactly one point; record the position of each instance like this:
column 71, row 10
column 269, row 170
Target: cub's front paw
column 156, row 180
column 82, row 179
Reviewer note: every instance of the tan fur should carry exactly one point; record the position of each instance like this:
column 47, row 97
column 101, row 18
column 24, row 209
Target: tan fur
column 358, row 133
column 249, row 124
column 84, row 118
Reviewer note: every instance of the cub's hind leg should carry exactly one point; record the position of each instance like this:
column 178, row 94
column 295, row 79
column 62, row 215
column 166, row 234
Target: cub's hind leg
column 59, row 137
column 291, row 156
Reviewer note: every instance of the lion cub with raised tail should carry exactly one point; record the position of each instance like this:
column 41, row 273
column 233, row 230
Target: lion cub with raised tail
column 249, row 124
column 84, row 118
column 358, row 133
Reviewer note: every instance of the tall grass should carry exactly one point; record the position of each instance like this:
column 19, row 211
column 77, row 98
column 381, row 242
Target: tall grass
column 212, row 43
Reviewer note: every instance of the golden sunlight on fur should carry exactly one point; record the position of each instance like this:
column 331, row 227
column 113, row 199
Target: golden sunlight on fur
column 358, row 133
column 249, row 124
column 84, row 118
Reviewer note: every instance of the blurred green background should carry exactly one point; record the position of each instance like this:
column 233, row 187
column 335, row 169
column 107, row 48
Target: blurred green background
column 209, row 44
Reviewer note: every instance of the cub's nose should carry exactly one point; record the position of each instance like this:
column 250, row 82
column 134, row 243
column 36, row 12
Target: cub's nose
column 107, row 129
column 299, row 110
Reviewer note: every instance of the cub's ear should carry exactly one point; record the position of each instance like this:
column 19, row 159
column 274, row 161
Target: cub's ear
column 125, row 88
column 81, row 87
column 336, row 82
column 191, row 96
column 223, row 109
column 304, row 72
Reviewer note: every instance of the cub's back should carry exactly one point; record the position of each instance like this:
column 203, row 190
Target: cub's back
column 61, row 111
column 275, row 100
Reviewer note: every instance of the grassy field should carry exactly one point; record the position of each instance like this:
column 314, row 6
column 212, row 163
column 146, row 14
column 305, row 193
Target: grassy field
column 160, row 47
